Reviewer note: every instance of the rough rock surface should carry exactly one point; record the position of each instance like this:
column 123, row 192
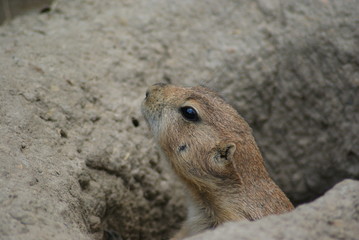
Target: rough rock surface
column 76, row 157
column 325, row 218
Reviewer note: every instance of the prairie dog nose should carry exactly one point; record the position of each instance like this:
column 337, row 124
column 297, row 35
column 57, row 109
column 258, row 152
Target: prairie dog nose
column 154, row 87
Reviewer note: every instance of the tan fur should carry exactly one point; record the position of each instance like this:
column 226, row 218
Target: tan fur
column 221, row 165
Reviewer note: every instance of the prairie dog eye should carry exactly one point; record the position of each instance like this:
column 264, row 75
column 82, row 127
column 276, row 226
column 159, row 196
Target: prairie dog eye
column 189, row 113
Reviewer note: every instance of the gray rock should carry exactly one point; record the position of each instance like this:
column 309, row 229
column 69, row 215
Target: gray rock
column 76, row 158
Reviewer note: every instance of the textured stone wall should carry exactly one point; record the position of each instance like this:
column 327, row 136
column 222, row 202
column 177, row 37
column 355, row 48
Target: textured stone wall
column 76, row 158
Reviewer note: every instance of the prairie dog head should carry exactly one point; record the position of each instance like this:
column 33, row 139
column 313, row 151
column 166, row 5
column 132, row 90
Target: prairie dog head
column 200, row 134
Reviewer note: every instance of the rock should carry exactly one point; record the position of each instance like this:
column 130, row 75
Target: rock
column 77, row 160
column 325, row 218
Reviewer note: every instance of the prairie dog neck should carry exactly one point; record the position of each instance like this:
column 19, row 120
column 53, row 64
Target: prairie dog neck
column 237, row 199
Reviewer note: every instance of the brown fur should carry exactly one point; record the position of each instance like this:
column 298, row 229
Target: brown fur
column 217, row 158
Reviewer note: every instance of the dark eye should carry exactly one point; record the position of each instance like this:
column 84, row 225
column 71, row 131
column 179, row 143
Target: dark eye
column 189, row 113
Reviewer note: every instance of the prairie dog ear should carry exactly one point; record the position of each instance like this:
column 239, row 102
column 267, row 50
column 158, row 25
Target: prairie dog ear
column 224, row 152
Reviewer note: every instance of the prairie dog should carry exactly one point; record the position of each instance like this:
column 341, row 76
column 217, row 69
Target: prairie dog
column 212, row 150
